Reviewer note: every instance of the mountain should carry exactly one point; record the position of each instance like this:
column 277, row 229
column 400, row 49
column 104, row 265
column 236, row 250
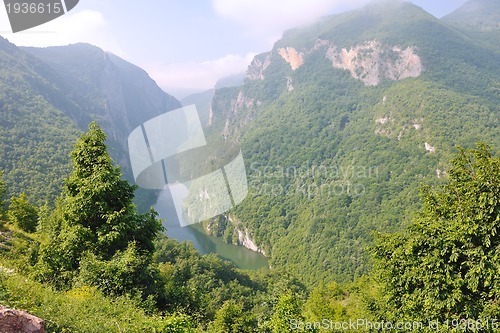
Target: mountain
column 203, row 99
column 480, row 19
column 339, row 125
column 49, row 95
column 120, row 95
column 341, row 122
column 479, row 15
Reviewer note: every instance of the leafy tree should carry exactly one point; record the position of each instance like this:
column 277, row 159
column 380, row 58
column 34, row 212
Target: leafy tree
column 23, row 214
column 446, row 264
column 326, row 302
column 127, row 271
column 287, row 313
column 231, row 318
column 100, row 201
column 96, row 218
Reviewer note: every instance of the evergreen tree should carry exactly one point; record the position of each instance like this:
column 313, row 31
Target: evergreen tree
column 445, row 266
column 100, row 201
column 95, row 219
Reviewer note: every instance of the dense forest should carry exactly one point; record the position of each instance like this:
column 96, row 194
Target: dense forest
column 94, row 256
column 374, row 184
column 336, row 154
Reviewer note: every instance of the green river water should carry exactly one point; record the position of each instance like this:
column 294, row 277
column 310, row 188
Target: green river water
column 240, row 256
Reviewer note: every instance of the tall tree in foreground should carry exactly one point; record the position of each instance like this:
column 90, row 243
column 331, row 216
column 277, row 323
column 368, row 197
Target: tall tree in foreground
column 446, row 265
column 96, row 226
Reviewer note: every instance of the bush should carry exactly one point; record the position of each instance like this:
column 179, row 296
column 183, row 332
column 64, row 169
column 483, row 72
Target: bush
column 23, row 214
column 84, row 309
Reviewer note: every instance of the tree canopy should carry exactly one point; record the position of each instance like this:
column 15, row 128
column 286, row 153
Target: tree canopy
column 445, row 265
column 23, row 214
column 95, row 219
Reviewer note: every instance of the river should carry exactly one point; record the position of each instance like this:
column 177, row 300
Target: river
column 240, row 256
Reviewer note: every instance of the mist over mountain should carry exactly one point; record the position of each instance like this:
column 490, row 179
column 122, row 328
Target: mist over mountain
column 479, row 15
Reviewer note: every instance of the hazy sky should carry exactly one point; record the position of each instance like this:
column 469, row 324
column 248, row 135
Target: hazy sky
column 187, row 44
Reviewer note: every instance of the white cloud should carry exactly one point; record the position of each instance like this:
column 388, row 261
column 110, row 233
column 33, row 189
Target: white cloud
column 86, row 26
column 275, row 16
column 191, row 76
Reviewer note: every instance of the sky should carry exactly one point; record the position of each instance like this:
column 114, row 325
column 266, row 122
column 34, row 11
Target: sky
column 186, row 45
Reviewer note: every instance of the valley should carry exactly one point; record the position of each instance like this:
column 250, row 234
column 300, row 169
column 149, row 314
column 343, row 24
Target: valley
column 370, row 142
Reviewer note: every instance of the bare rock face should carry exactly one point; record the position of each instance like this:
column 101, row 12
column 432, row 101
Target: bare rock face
column 17, row 321
column 371, row 62
column 258, row 66
column 292, row 57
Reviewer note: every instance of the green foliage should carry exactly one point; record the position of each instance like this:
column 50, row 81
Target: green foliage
column 23, row 214
column 34, row 142
column 231, row 318
column 327, row 302
column 84, row 309
column 332, row 160
column 287, row 311
column 346, row 303
column 98, row 200
column 96, row 220
column 3, row 192
column 445, row 265
column 198, row 285
column 127, row 272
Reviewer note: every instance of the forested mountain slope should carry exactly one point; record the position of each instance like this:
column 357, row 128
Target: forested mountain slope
column 47, row 94
column 480, row 19
column 339, row 124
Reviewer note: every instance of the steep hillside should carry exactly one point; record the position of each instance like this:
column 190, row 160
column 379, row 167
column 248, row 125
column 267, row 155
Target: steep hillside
column 339, row 124
column 49, row 95
column 35, row 135
column 479, row 15
column 120, row 95
column 480, row 19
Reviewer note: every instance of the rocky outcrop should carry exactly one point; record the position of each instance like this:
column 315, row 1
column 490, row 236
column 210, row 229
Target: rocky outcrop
column 17, row 321
column 244, row 238
column 429, row 148
column 258, row 66
column 292, row 57
column 245, row 241
column 371, row 62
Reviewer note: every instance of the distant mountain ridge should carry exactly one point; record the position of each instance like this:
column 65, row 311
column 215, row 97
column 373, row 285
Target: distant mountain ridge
column 73, row 85
column 479, row 15
column 115, row 92
column 480, row 20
